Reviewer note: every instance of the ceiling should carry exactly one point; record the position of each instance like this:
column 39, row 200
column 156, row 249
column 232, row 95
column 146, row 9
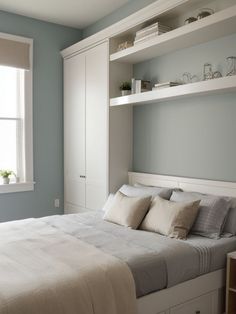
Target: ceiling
column 74, row 13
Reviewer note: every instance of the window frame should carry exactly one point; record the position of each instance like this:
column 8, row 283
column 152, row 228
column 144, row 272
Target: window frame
column 27, row 145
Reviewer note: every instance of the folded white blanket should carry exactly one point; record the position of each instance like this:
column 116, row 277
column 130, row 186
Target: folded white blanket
column 45, row 271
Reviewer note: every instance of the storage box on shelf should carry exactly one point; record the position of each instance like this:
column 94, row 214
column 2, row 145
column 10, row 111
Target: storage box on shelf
column 151, row 31
column 231, row 284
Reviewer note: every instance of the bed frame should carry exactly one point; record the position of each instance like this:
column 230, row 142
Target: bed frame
column 204, row 294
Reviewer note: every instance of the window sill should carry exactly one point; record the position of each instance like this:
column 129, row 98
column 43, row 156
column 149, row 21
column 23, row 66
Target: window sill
column 16, row 187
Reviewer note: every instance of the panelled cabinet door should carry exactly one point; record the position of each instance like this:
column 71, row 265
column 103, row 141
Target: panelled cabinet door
column 97, row 126
column 74, row 130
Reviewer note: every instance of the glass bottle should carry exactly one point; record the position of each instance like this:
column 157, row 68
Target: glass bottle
column 231, row 66
column 186, row 78
column 207, row 74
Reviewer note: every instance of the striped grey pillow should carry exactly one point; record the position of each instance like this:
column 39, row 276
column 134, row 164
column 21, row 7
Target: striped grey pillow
column 212, row 213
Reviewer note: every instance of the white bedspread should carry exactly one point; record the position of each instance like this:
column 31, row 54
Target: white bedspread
column 46, row 271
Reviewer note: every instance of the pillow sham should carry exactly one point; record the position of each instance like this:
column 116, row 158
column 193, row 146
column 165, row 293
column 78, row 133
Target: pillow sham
column 212, row 213
column 134, row 191
column 170, row 218
column 127, row 211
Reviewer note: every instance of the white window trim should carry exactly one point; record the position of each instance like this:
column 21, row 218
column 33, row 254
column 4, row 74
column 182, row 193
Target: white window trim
column 28, row 183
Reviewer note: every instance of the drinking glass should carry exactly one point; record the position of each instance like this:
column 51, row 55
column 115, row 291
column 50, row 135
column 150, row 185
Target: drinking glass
column 207, row 74
column 231, row 66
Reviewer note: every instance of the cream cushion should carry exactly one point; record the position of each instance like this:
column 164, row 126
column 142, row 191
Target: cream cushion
column 170, row 218
column 213, row 211
column 127, row 211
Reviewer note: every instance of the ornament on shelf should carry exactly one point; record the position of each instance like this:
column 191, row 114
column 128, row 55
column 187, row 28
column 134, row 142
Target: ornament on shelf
column 207, row 72
column 204, row 13
column 124, row 45
column 231, row 66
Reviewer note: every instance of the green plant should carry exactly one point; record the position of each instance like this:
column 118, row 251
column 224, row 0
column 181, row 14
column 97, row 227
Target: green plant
column 6, row 173
column 125, row 86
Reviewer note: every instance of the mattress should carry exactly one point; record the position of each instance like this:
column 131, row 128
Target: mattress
column 156, row 262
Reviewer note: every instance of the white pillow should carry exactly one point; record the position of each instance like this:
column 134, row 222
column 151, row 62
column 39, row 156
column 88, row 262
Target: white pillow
column 140, row 190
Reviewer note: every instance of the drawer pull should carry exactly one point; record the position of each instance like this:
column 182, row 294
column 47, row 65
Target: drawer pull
column 83, row 177
column 198, row 312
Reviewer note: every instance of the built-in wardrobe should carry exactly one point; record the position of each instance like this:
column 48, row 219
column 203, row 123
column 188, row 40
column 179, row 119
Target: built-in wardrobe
column 97, row 141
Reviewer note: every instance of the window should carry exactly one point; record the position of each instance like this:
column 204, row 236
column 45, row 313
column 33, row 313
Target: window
column 11, row 119
column 16, row 153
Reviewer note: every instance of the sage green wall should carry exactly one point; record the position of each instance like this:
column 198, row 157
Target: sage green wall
column 193, row 137
column 49, row 39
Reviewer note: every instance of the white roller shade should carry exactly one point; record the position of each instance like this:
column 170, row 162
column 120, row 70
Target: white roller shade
column 15, row 54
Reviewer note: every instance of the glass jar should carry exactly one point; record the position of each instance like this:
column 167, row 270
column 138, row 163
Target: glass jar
column 207, row 73
column 231, row 66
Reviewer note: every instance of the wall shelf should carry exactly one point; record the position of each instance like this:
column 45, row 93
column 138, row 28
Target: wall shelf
column 220, row 24
column 220, row 85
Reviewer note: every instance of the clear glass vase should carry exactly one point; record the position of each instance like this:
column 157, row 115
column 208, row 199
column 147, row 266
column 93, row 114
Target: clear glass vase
column 231, row 66
column 207, row 72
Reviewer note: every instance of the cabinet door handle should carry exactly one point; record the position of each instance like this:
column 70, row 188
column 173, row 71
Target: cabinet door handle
column 198, row 312
column 83, row 177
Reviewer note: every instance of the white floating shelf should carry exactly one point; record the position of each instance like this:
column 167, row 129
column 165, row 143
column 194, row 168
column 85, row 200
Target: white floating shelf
column 220, row 85
column 212, row 27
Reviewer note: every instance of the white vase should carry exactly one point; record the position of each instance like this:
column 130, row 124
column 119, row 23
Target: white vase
column 125, row 92
column 6, row 180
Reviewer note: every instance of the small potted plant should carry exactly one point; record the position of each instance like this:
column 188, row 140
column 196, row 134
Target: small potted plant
column 125, row 88
column 5, row 174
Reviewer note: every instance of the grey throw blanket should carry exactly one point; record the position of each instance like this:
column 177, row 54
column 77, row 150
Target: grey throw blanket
column 156, row 261
column 44, row 270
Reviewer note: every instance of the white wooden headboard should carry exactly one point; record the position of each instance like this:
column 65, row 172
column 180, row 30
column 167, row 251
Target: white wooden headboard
column 187, row 184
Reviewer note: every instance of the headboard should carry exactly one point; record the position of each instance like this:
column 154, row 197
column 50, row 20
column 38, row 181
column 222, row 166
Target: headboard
column 187, row 184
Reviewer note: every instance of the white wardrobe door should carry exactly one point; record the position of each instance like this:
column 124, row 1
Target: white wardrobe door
column 97, row 126
column 74, row 130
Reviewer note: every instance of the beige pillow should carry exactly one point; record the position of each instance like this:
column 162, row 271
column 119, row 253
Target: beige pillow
column 170, row 218
column 127, row 211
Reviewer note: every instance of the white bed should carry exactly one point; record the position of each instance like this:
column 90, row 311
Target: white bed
column 205, row 294
column 37, row 277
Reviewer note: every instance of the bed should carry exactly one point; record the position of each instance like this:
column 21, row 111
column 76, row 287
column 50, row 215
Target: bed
column 204, row 294
column 169, row 276
column 156, row 261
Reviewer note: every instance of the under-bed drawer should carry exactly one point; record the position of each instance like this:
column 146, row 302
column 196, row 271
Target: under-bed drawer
column 201, row 305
